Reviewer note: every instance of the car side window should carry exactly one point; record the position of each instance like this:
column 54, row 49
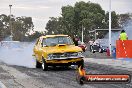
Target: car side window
column 44, row 41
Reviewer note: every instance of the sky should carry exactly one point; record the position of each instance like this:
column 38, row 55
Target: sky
column 41, row 10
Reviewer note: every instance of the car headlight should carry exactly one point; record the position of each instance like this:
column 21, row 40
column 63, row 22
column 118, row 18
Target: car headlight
column 80, row 54
column 50, row 57
column 74, row 54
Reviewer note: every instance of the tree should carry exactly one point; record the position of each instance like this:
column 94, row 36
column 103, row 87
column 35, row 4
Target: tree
column 114, row 20
column 123, row 18
column 35, row 35
column 51, row 26
column 4, row 25
column 83, row 15
column 20, row 26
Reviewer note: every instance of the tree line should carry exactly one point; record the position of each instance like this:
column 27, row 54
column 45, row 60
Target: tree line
column 21, row 28
column 84, row 15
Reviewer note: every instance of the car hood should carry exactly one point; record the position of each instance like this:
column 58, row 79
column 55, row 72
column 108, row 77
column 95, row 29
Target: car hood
column 62, row 49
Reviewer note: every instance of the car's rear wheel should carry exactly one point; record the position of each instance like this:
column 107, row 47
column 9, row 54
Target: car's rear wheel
column 38, row 64
column 44, row 65
column 100, row 50
column 93, row 51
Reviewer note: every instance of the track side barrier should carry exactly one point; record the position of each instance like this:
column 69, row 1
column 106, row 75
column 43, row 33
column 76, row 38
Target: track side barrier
column 124, row 49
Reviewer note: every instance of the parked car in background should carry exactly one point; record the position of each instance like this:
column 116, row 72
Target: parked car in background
column 99, row 48
column 82, row 46
column 96, row 47
column 104, row 48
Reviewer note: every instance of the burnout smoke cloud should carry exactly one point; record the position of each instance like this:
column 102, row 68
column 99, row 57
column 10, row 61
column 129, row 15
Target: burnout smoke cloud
column 115, row 35
column 17, row 53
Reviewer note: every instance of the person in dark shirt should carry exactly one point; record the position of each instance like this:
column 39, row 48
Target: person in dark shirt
column 75, row 40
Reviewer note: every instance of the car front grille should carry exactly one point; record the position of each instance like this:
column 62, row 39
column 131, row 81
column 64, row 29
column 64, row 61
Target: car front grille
column 65, row 55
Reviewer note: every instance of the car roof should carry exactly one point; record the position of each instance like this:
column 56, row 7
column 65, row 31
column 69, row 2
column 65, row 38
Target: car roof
column 46, row 36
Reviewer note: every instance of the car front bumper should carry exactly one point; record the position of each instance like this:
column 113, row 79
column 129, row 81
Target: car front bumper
column 70, row 61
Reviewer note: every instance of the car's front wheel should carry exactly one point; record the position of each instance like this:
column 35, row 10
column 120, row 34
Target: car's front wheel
column 81, row 63
column 38, row 64
column 44, row 65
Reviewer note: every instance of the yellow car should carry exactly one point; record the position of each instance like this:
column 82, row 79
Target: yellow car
column 57, row 50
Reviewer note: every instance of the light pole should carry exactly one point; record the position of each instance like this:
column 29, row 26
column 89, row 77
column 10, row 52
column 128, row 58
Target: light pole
column 10, row 23
column 95, row 35
column 110, row 26
column 83, row 28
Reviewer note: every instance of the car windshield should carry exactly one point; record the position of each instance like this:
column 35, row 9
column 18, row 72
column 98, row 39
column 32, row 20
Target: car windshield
column 52, row 41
